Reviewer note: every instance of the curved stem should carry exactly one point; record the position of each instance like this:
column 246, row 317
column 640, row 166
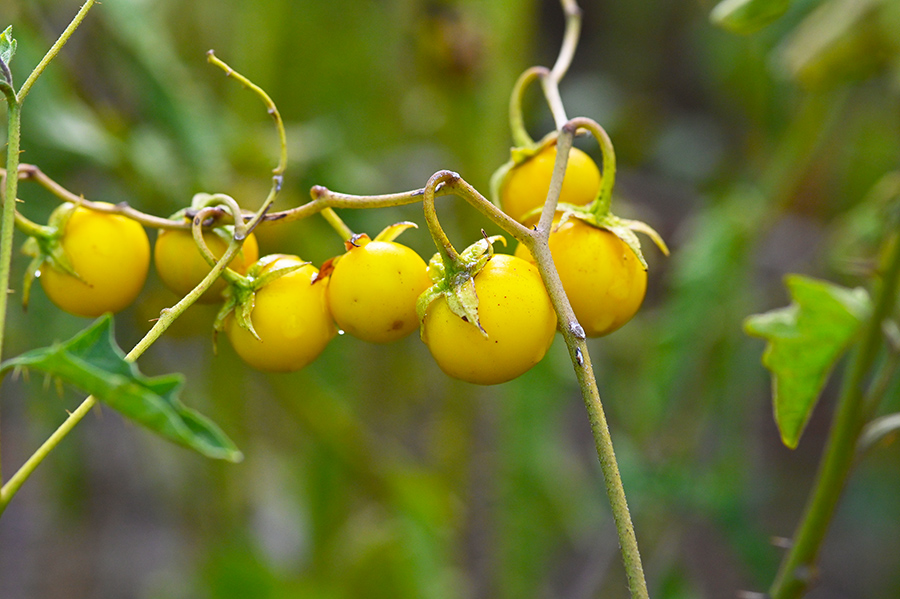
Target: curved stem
column 197, row 233
column 520, row 135
column 31, row 228
column 798, row 567
column 570, row 39
column 604, row 196
column 278, row 171
column 549, row 79
column 270, row 107
column 448, row 253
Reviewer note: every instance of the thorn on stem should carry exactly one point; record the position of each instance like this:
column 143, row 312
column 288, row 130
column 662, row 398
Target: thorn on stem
column 577, row 330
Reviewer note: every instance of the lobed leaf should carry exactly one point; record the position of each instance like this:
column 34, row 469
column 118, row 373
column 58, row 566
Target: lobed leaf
column 805, row 340
column 93, row 362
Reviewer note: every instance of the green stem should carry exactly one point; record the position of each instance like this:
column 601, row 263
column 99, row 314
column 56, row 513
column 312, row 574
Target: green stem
column 32, row 172
column 7, row 220
column 270, row 107
column 12, row 486
column 798, row 568
column 31, row 228
column 53, row 51
column 168, row 316
column 337, row 224
column 574, row 336
column 197, row 233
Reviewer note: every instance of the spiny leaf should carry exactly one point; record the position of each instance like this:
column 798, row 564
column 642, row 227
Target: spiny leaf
column 805, row 340
column 93, row 362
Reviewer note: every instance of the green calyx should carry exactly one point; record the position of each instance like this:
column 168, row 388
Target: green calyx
column 455, row 281
column 622, row 228
column 44, row 247
column 517, row 156
column 240, row 294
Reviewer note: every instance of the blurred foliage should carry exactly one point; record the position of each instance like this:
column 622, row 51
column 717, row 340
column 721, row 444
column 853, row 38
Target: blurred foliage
column 369, row 473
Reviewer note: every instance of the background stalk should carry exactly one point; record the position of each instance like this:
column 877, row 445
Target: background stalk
column 798, row 568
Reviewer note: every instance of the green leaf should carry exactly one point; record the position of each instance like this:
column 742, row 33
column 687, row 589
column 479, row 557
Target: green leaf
column 94, row 363
column 805, row 340
column 747, row 16
column 7, row 45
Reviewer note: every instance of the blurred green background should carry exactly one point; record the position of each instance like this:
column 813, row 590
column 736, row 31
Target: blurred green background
column 370, row 473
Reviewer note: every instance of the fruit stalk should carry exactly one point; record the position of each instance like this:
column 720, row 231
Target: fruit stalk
column 574, row 336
